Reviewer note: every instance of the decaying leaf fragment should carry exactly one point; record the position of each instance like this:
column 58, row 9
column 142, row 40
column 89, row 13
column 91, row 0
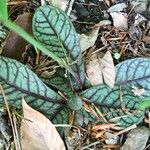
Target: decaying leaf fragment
column 120, row 20
column 14, row 44
column 117, row 8
column 93, row 70
column 37, row 132
column 62, row 4
column 99, row 69
column 87, row 41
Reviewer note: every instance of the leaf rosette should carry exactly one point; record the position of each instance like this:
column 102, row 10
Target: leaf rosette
column 120, row 105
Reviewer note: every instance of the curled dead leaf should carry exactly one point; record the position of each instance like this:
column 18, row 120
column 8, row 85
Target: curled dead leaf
column 99, row 69
column 37, row 132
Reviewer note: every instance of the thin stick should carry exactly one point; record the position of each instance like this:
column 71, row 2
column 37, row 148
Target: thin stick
column 148, row 146
column 100, row 49
column 101, row 115
column 17, row 2
column 92, row 4
column 127, row 129
column 9, row 114
column 16, row 131
column 92, row 144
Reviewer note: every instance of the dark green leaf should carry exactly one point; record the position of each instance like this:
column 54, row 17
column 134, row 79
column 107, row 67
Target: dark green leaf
column 124, row 118
column 84, row 117
column 74, row 102
column 62, row 116
column 59, row 82
column 134, row 72
column 18, row 81
column 109, row 100
column 130, row 73
column 129, row 119
column 53, row 28
column 102, row 95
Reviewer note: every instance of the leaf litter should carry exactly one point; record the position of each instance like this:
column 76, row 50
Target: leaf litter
column 37, row 132
column 101, row 70
column 128, row 43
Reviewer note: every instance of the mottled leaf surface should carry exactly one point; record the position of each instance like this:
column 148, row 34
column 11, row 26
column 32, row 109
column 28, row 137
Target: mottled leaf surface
column 62, row 116
column 119, row 105
column 129, row 119
column 55, row 31
column 130, row 73
column 102, row 95
column 124, row 118
column 84, row 117
column 134, row 72
column 111, row 103
column 59, row 81
column 18, row 81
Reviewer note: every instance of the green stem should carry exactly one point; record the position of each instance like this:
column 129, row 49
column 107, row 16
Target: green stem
column 14, row 27
column 9, row 24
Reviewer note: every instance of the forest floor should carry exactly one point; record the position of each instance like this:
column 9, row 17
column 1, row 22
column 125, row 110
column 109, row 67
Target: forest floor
column 110, row 30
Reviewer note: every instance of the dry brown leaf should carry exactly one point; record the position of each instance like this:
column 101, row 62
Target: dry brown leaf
column 93, row 70
column 62, row 4
column 108, row 2
column 87, row 41
column 120, row 20
column 101, row 69
column 14, row 44
column 117, row 7
column 103, row 126
column 146, row 39
column 37, row 132
column 108, row 69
